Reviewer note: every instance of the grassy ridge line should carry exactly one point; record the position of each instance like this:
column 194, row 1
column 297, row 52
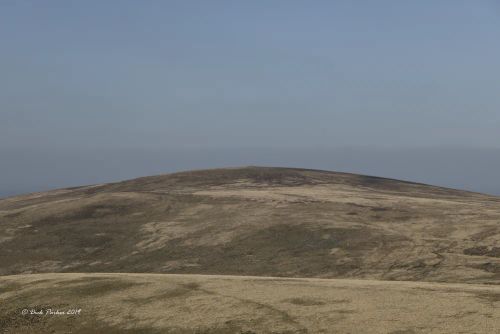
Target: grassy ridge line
column 359, row 282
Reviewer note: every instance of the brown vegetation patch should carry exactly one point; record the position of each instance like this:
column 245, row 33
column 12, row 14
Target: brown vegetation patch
column 305, row 301
column 483, row 251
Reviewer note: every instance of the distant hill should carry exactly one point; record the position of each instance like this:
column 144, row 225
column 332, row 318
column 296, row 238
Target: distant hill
column 256, row 221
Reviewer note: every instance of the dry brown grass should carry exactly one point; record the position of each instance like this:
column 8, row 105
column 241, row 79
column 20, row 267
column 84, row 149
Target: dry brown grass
column 149, row 303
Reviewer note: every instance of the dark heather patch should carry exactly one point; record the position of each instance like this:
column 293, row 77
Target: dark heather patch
column 91, row 211
column 191, row 286
column 479, row 250
column 488, row 232
column 483, row 251
column 304, row 301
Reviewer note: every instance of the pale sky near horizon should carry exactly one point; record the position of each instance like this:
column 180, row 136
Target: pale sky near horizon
column 153, row 75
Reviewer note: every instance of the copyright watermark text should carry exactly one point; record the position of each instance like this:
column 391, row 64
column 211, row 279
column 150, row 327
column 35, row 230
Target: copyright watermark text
column 51, row 311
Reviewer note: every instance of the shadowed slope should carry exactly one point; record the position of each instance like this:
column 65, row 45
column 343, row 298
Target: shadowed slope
column 256, row 221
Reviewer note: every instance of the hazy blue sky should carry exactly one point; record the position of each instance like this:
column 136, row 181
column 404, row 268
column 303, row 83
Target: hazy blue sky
column 153, row 75
column 254, row 73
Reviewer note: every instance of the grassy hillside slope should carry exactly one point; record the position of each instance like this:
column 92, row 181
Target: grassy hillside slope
column 256, row 221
